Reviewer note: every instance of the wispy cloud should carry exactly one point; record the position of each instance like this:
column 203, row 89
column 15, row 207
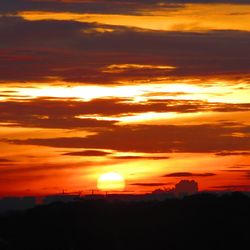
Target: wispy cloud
column 88, row 153
column 188, row 174
column 151, row 184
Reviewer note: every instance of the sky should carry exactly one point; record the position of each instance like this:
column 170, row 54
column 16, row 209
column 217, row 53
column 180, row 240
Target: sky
column 155, row 90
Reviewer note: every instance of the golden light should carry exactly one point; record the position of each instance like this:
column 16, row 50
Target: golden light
column 190, row 17
column 111, row 181
column 118, row 68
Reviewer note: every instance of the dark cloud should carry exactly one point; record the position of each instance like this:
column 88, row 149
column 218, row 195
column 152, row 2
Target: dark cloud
column 65, row 113
column 133, row 157
column 150, row 184
column 3, row 160
column 15, row 6
column 188, row 174
column 248, row 175
column 57, row 113
column 239, row 166
column 62, row 123
column 232, row 187
column 177, row 1
column 245, row 172
column 210, row 138
column 77, row 52
column 24, row 170
column 68, row 123
column 233, row 153
column 21, row 179
column 88, row 153
column 212, row 1
column 130, row 7
column 238, row 170
column 101, row 6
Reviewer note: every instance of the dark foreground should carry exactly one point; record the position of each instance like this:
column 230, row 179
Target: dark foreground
column 196, row 222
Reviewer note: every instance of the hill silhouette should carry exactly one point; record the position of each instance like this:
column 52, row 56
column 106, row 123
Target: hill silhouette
column 201, row 221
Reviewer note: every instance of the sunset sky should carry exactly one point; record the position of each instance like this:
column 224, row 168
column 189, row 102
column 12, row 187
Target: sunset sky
column 155, row 90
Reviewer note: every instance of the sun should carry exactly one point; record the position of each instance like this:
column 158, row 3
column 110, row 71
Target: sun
column 111, row 181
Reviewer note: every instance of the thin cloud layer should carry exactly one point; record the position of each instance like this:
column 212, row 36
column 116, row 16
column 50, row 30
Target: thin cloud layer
column 3, row 160
column 232, row 187
column 133, row 157
column 88, row 153
column 208, row 138
column 188, row 174
column 101, row 6
column 148, row 184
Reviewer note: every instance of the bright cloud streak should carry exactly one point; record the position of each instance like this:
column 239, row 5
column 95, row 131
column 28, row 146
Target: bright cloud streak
column 189, row 18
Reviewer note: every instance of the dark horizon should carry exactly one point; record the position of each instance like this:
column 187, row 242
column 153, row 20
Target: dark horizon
column 195, row 221
column 182, row 189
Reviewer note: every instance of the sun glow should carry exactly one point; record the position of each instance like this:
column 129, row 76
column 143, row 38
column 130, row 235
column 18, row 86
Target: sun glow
column 111, row 181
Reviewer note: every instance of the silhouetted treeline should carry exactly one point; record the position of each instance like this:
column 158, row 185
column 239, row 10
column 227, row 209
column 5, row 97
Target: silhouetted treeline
column 17, row 203
column 201, row 221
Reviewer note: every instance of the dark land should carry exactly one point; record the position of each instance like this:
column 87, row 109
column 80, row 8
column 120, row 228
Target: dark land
column 200, row 221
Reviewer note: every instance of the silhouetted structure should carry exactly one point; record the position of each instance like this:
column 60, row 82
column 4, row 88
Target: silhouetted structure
column 59, row 198
column 201, row 221
column 186, row 187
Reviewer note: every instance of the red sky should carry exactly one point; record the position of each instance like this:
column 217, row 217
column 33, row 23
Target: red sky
column 157, row 91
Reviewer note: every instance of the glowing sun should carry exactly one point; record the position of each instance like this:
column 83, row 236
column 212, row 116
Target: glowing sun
column 111, row 181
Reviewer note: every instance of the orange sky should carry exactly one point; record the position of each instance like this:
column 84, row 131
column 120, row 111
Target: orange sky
column 157, row 91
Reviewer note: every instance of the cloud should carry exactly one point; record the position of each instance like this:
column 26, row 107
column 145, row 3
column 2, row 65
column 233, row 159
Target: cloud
column 60, row 113
column 209, row 138
column 69, row 113
column 73, row 54
column 62, row 123
column 151, row 184
column 133, row 157
column 233, row 153
column 246, row 172
column 212, row 1
column 101, row 6
column 240, row 166
column 88, row 153
column 25, row 171
column 188, row 174
column 232, row 187
column 128, row 7
column 3, row 160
